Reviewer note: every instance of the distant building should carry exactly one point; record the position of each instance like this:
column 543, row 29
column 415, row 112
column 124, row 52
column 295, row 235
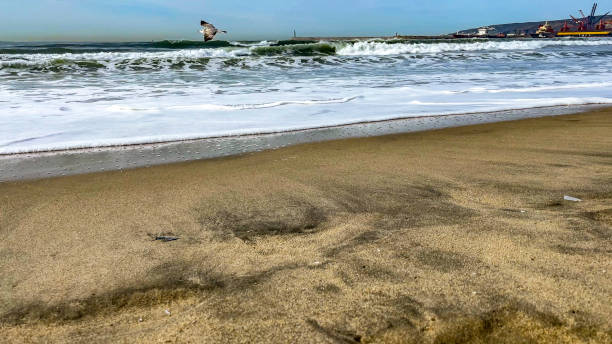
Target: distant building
column 485, row 30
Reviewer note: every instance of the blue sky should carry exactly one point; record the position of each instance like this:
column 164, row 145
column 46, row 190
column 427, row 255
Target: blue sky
column 144, row 20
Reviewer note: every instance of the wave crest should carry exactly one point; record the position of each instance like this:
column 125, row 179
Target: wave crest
column 295, row 50
column 192, row 55
column 191, row 44
column 400, row 48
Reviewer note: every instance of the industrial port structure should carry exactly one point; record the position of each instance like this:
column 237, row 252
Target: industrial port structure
column 591, row 25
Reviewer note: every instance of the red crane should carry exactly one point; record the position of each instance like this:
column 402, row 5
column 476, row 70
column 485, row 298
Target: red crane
column 588, row 23
column 580, row 23
column 565, row 27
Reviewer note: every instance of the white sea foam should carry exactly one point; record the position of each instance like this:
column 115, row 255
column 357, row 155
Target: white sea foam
column 116, row 58
column 382, row 48
column 236, row 107
column 594, row 85
column 263, row 43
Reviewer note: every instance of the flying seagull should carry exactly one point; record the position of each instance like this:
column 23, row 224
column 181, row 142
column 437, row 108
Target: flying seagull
column 209, row 31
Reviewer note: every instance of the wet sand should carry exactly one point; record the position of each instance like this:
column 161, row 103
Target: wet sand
column 447, row 236
column 47, row 164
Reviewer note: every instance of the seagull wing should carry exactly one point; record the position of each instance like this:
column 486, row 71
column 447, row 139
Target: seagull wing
column 209, row 31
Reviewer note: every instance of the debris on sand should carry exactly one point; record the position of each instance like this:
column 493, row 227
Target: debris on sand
column 571, row 199
column 166, row 238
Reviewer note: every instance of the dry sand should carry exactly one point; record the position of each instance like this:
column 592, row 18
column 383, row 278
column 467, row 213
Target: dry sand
column 456, row 235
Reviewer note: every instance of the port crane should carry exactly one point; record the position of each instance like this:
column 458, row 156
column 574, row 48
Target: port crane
column 589, row 23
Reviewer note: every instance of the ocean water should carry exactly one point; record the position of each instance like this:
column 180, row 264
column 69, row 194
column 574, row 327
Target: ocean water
column 58, row 96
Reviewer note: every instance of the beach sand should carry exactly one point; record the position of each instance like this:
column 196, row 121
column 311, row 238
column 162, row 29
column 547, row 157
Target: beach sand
column 447, row 236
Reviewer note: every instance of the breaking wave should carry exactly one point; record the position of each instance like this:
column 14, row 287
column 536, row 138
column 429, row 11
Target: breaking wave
column 296, row 50
column 190, row 44
column 164, row 55
column 303, row 47
column 402, row 47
